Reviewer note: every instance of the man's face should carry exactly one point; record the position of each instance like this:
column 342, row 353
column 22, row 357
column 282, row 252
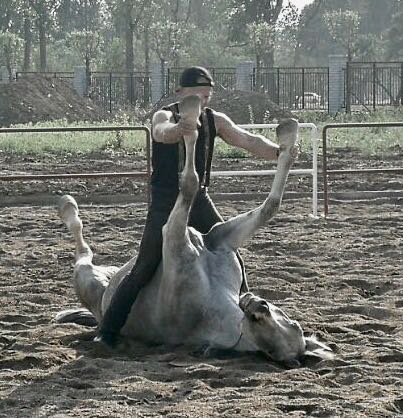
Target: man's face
column 204, row 92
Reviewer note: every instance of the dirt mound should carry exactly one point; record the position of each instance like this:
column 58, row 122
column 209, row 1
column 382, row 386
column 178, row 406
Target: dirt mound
column 241, row 106
column 37, row 98
column 248, row 107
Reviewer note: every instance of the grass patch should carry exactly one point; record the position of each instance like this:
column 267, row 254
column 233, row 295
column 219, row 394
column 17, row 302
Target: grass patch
column 75, row 143
column 367, row 140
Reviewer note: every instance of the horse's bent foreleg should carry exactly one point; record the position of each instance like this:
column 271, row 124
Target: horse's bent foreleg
column 90, row 281
column 239, row 229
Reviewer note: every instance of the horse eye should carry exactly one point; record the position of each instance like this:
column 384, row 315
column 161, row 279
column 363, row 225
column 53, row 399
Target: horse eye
column 266, row 307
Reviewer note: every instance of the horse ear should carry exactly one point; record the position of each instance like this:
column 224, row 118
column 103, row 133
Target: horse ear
column 315, row 348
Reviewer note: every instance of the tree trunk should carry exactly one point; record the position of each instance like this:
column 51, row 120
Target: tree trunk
column 162, row 63
column 129, row 46
column 7, row 56
column 147, row 65
column 129, row 35
column 146, row 49
column 87, row 72
column 27, row 45
column 42, row 45
column 268, row 59
column 258, row 74
column 270, row 82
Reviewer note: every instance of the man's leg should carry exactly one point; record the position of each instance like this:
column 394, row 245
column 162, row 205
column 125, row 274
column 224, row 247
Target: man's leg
column 148, row 259
column 203, row 216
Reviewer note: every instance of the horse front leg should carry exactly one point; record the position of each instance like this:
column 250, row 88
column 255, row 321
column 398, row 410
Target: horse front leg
column 236, row 231
column 175, row 232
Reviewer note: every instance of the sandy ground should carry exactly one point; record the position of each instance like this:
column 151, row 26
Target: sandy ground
column 341, row 277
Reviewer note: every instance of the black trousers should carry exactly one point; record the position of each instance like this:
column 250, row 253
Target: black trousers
column 203, row 216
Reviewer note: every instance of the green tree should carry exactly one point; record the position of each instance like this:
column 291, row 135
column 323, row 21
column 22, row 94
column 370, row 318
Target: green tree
column 44, row 13
column 261, row 38
column 314, row 42
column 286, row 36
column 86, row 44
column 394, row 37
column 168, row 41
column 263, row 16
column 11, row 47
column 343, row 26
column 127, row 16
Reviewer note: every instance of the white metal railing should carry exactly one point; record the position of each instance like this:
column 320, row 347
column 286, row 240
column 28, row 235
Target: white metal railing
column 301, row 172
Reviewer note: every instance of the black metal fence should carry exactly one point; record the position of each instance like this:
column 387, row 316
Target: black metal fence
column 294, row 88
column 114, row 91
column 373, row 84
column 366, row 84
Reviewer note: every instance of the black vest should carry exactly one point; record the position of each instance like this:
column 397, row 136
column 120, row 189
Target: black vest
column 168, row 159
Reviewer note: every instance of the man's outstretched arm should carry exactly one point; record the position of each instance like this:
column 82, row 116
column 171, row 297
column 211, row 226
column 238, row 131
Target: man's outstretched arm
column 232, row 134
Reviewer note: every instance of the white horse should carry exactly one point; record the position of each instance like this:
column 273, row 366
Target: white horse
column 193, row 298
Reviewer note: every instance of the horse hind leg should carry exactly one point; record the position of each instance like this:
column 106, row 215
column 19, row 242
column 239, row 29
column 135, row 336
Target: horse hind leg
column 90, row 281
column 236, row 231
column 68, row 212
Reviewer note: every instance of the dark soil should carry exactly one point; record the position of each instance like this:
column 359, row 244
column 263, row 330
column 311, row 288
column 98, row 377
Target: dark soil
column 35, row 99
column 112, row 161
column 241, row 106
column 341, row 277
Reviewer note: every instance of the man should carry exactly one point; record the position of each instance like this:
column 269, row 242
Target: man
column 168, row 130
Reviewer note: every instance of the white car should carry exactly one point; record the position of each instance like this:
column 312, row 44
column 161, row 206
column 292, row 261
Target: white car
column 309, row 100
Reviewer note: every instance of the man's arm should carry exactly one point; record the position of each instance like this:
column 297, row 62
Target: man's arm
column 165, row 129
column 234, row 135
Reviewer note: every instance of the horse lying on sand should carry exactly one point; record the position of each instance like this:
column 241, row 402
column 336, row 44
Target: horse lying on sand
column 194, row 297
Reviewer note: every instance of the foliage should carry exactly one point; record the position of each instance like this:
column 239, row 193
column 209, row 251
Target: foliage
column 86, row 43
column 10, row 47
column 315, row 43
column 261, row 38
column 169, row 39
column 343, row 26
column 129, row 34
column 395, row 37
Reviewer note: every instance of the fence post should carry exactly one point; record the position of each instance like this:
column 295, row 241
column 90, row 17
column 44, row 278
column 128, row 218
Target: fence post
column 157, row 82
column 110, row 92
column 401, row 83
column 243, row 76
column 374, row 85
column 4, row 76
column 80, row 80
column 336, row 82
column 348, row 75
